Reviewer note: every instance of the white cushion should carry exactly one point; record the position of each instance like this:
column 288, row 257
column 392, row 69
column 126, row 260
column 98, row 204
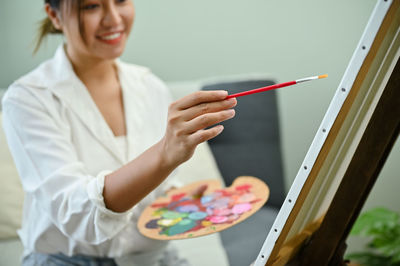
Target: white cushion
column 11, row 193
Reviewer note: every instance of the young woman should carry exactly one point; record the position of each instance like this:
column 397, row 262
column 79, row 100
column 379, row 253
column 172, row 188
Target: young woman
column 94, row 139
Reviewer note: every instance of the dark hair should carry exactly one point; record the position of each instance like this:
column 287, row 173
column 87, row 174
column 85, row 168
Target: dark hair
column 46, row 26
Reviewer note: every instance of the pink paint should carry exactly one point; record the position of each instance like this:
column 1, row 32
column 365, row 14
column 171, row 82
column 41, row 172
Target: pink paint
column 222, row 212
column 218, row 219
column 248, row 197
column 241, row 208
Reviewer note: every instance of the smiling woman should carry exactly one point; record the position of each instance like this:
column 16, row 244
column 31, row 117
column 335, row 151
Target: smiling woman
column 95, row 140
column 99, row 28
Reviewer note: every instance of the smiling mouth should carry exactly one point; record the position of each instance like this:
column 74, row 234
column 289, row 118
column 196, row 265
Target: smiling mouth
column 112, row 38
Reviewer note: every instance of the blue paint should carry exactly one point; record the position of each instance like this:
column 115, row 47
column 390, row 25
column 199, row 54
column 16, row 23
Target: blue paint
column 197, row 215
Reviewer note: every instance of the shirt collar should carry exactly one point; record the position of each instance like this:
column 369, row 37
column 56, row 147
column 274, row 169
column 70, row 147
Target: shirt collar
column 58, row 76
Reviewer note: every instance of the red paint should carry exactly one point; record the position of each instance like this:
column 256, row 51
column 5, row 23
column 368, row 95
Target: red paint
column 177, row 197
column 160, row 205
column 245, row 187
column 223, row 192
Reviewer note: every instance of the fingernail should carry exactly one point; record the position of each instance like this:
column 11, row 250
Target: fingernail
column 223, row 93
column 231, row 100
column 231, row 112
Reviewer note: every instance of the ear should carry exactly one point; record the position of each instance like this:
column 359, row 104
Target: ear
column 54, row 16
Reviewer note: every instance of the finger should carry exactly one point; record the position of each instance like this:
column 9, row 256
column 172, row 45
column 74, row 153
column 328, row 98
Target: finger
column 205, row 108
column 170, row 189
column 199, row 97
column 199, row 192
column 205, row 134
column 208, row 120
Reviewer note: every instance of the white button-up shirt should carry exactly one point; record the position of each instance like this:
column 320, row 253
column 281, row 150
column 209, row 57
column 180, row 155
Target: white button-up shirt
column 63, row 148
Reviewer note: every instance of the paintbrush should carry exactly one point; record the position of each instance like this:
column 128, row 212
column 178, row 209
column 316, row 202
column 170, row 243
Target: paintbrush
column 276, row 86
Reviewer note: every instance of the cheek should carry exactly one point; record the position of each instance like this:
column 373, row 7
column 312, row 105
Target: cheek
column 129, row 17
column 72, row 32
column 90, row 24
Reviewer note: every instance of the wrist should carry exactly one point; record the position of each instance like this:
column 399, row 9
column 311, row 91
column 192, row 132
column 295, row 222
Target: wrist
column 166, row 161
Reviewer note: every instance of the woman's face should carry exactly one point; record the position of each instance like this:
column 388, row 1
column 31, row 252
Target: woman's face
column 106, row 25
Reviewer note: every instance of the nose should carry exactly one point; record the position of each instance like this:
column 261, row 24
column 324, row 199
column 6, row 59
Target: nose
column 111, row 16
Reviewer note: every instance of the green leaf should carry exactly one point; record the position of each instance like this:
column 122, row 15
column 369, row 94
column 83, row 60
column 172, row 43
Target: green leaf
column 383, row 228
column 375, row 222
column 369, row 259
column 387, row 243
column 396, row 258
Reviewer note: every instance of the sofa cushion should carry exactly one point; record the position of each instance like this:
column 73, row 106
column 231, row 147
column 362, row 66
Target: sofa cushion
column 11, row 193
column 250, row 143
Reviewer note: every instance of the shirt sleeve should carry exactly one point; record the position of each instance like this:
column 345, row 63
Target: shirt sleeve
column 51, row 172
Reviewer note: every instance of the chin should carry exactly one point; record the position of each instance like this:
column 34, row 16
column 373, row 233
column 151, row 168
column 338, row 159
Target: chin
column 114, row 55
column 111, row 53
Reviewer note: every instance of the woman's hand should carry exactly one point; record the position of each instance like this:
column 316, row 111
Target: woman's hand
column 189, row 123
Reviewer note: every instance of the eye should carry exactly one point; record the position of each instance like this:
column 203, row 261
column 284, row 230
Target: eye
column 120, row 1
column 90, row 6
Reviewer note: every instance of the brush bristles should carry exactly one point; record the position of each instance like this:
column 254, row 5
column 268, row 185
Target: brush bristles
column 323, row 76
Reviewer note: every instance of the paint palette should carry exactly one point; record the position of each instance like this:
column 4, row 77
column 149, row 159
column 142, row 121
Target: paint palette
column 202, row 208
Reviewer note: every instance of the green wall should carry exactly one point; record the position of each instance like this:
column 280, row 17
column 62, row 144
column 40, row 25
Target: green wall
column 186, row 39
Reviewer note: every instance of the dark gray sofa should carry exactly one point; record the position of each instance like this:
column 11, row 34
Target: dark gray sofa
column 250, row 145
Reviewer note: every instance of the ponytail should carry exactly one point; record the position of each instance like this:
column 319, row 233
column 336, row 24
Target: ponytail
column 46, row 27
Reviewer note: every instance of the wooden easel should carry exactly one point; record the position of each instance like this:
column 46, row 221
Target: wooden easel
column 318, row 214
column 328, row 243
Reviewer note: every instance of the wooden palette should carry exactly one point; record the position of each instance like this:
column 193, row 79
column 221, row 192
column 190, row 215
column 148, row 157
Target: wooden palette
column 202, row 208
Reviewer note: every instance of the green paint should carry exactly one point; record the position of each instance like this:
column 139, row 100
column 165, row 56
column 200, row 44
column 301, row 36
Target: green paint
column 173, row 215
column 179, row 228
column 160, row 211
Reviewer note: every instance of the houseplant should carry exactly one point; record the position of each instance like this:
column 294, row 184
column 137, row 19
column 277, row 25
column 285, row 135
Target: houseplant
column 382, row 227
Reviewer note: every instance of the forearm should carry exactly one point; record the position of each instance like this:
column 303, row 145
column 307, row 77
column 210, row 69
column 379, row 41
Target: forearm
column 126, row 186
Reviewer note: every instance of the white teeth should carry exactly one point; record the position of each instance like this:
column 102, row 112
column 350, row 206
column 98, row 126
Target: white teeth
column 111, row 37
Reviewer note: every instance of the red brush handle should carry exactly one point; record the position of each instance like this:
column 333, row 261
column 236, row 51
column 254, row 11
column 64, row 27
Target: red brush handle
column 268, row 88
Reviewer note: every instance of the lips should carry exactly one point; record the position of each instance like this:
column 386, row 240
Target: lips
column 111, row 38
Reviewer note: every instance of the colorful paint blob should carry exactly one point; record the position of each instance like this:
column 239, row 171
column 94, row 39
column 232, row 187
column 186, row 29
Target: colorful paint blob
column 187, row 208
column 168, row 222
column 197, row 215
column 206, row 199
column 218, row 219
column 241, row 208
column 173, row 215
column 153, row 224
column 248, row 197
column 189, row 213
column 222, row 212
column 206, row 223
column 181, row 227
